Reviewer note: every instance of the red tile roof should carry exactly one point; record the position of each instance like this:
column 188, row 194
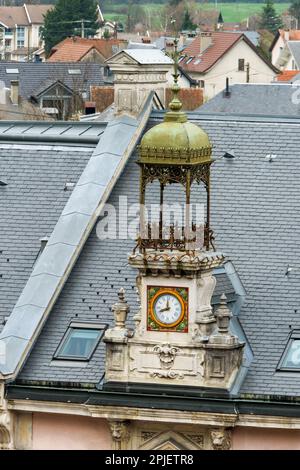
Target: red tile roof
column 293, row 34
column 74, row 49
column 221, row 43
column 287, row 75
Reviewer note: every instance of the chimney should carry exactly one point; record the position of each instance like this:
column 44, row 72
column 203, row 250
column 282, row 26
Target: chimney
column 205, row 41
column 227, row 92
column 286, row 35
column 14, row 92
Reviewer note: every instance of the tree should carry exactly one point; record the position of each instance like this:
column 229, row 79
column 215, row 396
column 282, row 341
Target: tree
column 294, row 10
column 187, row 24
column 174, row 3
column 269, row 19
column 135, row 15
column 69, row 18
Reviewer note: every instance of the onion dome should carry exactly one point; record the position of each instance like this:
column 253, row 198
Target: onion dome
column 175, row 141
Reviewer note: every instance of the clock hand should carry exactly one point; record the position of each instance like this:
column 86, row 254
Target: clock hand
column 164, row 309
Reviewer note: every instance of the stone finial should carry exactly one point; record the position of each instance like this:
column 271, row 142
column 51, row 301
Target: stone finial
column 120, row 310
column 223, row 316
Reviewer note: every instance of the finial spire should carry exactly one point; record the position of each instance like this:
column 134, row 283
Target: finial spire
column 175, row 104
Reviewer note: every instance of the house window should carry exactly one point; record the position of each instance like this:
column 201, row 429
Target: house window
column 80, row 341
column 290, row 360
column 241, row 65
column 202, row 83
column 20, row 36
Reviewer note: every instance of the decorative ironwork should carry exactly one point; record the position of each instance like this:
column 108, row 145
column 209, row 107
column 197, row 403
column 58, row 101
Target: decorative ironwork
column 174, row 174
column 162, row 159
column 175, row 238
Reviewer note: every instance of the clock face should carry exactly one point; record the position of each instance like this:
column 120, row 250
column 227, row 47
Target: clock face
column 167, row 309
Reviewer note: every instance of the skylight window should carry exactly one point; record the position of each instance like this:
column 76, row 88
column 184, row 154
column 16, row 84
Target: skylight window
column 181, row 58
column 189, row 60
column 290, row 360
column 80, row 341
column 197, row 61
column 12, row 71
column 74, row 72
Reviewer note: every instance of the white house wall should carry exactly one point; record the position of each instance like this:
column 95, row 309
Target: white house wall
column 277, row 50
column 227, row 66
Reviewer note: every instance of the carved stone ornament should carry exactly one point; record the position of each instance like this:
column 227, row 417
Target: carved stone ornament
column 120, row 310
column 221, row 439
column 147, row 435
column 119, row 432
column 166, row 354
column 167, row 374
column 6, row 426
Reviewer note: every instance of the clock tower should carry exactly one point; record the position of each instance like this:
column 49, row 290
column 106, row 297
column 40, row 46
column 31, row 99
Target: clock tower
column 178, row 339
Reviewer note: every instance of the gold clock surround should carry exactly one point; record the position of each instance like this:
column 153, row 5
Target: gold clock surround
column 153, row 323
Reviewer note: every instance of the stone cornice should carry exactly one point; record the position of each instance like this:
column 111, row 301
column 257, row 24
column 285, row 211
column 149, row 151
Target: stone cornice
column 150, row 415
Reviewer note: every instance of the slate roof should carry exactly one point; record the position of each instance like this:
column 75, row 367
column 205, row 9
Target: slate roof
column 36, row 175
column 265, row 99
column 257, row 223
column 294, row 47
column 256, row 218
column 32, row 75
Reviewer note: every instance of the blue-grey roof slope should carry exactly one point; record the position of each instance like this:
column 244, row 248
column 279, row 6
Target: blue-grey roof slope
column 32, row 75
column 294, row 47
column 255, row 216
column 73, row 227
column 257, row 223
column 274, row 99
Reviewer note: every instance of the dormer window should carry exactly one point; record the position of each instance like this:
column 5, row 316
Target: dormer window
column 290, row 360
column 80, row 341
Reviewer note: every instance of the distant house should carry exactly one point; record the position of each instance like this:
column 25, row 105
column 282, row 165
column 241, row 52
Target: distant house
column 20, row 29
column 280, row 40
column 273, row 99
column 59, row 90
column 107, row 28
column 213, row 57
column 289, row 57
column 78, row 49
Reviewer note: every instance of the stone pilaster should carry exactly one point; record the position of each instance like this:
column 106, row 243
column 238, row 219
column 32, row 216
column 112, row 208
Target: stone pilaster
column 6, row 423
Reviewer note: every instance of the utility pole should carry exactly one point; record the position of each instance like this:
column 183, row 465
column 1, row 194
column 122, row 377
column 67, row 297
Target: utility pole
column 247, row 72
